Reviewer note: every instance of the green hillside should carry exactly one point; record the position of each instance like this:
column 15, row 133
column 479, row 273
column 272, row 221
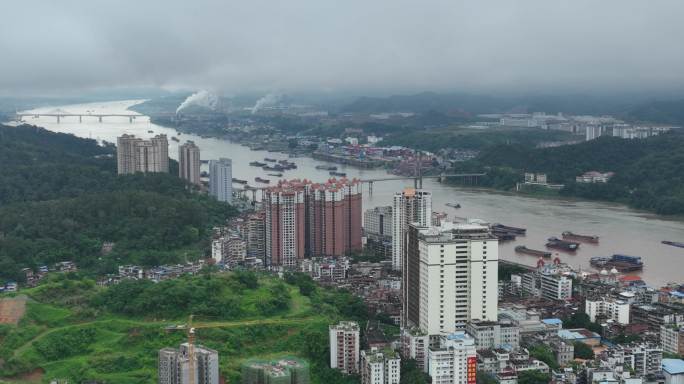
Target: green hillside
column 648, row 172
column 74, row 330
column 60, row 199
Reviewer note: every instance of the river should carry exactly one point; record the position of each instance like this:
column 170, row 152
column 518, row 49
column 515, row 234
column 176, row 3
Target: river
column 621, row 229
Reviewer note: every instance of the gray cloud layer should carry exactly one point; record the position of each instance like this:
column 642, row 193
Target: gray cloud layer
column 372, row 45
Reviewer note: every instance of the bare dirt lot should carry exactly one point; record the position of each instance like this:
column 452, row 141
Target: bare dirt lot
column 12, row 309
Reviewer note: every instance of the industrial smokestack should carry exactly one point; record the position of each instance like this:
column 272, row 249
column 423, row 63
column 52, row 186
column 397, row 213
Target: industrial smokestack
column 267, row 101
column 202, row 98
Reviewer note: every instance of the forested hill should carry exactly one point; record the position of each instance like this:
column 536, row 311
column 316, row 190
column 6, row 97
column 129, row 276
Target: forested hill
column 60, row 199
column 649, row 173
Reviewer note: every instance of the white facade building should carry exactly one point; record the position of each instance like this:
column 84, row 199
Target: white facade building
column 344, row 347
column 490, row 335
column 380, row 367
column 610, row 308
column 454, row 361
column 555, row 287
column 414, row 345
column 409, row 206
column 221, row 179
column 450, row 277
column 378, row 221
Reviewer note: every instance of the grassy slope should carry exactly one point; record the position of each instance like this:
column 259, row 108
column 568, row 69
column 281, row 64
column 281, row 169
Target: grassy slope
column 119, row 342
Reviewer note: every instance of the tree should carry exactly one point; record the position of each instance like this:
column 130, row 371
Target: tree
column 544, row 353
column 411, row 374
column 485, row 378
column 533, row 377
column 581, row 320
column 583, row 351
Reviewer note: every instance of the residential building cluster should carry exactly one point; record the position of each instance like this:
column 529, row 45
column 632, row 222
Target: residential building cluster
column 137, row 155
column 152, row 156
column 306, row 219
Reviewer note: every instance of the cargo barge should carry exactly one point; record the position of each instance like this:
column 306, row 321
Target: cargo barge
column 563, row 245
column 269, row 160
column 516, row 230
column 567, row 235
column 275, row 167
column 673, row 243
column 532, row 252
column 504, row 235
column 622, row 263
column 239, row 181
column 335, row 173
column 260, row 180
column 453, row 205
column 257, row 164
column 327, row 167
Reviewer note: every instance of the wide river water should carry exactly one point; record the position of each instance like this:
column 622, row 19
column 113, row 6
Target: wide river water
column 621, row 229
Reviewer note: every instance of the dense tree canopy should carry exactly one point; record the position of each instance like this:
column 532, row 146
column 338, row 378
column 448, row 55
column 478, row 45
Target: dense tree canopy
column 60, row 199
column 648, row 172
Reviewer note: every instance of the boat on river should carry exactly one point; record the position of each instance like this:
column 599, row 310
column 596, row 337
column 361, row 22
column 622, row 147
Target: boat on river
column 622, row 263
column 516, row 230
column 453, row 205
column 673, row 243
column 260, row 180
column 532, row 252
column 239, row 181
column 563, row 245
column 567, row 235
column 257, row 164
column 327, row 167
column 335, row 173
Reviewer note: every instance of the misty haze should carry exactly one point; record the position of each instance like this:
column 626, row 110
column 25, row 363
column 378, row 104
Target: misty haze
column 321, row 192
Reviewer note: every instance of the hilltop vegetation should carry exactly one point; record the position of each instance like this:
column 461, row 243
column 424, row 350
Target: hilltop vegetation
column 87, row 333
column 648, row 172
column 60, row 199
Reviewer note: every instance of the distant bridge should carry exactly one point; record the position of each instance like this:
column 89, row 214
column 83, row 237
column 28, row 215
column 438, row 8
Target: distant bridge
column 131, row 117
column 472, row 178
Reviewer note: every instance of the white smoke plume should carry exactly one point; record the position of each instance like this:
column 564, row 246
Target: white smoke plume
column 202, row 98
column 267, row 101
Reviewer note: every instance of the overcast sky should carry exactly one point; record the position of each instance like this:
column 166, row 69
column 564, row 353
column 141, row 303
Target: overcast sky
column 342, row 45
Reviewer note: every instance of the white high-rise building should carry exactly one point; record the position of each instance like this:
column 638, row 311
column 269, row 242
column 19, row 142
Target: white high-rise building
column 189, row 162
column 454, row 361
column 409, row 206
column 450, row 277
column 344, row 347
column 380, row 367
column 221, row 179
column 608, row 307
column 378, row 221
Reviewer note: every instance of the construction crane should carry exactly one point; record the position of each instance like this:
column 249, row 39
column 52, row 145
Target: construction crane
column 191, row 346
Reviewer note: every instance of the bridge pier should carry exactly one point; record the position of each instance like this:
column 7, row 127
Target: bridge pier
column 130, row 119
column 80, row 118
column 370, row 188
column 58, row 119
column 99, row 118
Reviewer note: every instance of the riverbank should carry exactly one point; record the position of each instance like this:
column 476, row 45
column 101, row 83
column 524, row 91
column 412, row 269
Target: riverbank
column 622, row 230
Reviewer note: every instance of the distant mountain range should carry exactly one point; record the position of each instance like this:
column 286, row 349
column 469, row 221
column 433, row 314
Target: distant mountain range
column 631, row 108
